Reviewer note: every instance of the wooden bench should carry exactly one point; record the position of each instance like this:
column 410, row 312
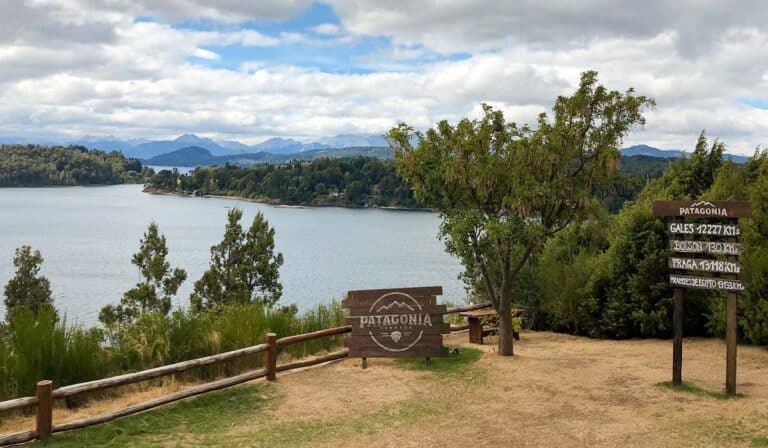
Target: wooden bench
column 475, row 321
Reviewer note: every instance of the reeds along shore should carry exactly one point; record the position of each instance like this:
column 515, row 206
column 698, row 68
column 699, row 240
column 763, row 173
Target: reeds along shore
column 31, row 349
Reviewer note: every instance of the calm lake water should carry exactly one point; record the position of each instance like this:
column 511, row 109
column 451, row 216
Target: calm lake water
column 88, row 234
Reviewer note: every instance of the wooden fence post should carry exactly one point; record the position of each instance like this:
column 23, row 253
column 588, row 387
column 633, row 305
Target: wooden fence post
column 271, row 357
column 44, row 416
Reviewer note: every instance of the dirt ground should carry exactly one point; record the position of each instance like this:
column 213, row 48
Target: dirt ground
column 558, row 390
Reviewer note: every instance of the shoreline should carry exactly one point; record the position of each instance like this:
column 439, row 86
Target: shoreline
column 289, row 206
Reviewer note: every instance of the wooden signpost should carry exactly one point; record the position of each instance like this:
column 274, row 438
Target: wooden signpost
column 726, row 269
column 396, row 323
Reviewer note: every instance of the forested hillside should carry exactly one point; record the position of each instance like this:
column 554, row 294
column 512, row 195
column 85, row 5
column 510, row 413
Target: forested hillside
column 355, row 182
column 32, row 165
column 608, row 276
column 350, row 182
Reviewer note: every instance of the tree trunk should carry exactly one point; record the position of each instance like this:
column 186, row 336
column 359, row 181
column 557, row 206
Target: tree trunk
column 506, row 332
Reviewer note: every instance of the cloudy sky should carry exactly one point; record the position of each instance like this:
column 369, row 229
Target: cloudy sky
column 249, row 70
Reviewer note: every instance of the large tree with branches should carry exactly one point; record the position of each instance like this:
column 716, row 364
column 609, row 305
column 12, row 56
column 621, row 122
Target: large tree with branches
column 503, row 189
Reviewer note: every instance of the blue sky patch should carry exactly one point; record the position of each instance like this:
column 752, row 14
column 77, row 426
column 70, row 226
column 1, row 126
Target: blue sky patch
column 299, row 44
column 754, row 102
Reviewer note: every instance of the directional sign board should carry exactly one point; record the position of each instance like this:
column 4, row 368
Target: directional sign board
column 705, row 247
column 728, row 212
column 703, row 209
column 392, row 323
column 704, row 229
column 686, row 281
column 704, row 265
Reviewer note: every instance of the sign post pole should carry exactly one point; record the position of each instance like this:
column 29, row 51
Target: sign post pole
column 731, row 337
column 677, row 335
column 730, row 343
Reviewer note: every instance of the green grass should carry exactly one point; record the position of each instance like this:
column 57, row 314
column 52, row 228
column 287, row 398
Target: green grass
column 195, row 422
column 235, row 417
column 452, row 368
column 693, row 389
column 721, row 430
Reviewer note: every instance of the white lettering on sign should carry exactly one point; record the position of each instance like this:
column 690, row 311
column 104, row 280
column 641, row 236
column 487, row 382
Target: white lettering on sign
column 385, row 320
column 703, row 208
column 705, row 229
column 705, row 283
column 706, row 247
column 694, row 264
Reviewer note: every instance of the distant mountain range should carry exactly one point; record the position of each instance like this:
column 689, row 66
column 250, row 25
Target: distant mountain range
column 645, row 150
column 192, row 150
column 143, row 149
column 193, row 156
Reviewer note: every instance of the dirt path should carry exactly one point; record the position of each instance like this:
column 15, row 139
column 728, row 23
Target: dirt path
column 558, row 391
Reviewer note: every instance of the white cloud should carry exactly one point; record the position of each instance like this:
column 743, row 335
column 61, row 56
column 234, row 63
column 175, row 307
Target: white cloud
column 328, row 29
column 77, row 67
column 205, row 54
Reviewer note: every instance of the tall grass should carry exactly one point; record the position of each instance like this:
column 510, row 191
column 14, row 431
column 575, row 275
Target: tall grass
column 41, row 347
column 34, row 348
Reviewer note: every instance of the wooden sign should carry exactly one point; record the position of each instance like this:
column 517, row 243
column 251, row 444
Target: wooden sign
column 704, row 229
column 705, row 247
column 394, row 323
column 720, row 284
column 704, row 265
column 728, row 212
column 703, row 209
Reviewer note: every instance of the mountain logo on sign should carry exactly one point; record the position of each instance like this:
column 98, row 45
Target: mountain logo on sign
column 400, row 305
column 703, row 208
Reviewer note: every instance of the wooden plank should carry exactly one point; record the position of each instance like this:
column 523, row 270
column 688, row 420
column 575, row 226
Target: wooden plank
column 438, row 327
column 17, row 438
column 365, row 310
column 341, row 354
column 16, row 403
column 130, row 378
column 170, row 398
column 704, row 229
column 459, row 309
column 368, row 342
column 299, row 338
column 703, row 209
column 367, row 294
column 704, row 265
column 721, row 284
column 706, row 247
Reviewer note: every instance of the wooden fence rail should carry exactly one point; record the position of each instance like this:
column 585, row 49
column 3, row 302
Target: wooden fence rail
column 46, row 394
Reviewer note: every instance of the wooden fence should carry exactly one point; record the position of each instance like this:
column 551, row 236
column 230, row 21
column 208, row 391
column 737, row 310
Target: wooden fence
column 46, row 394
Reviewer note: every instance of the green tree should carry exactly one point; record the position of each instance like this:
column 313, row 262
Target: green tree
column 503, row 190
column 27, row 289
column 244, row 267
column 159, row 282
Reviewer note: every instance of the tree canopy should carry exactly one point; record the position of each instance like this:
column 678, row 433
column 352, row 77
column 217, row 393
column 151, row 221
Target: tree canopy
column 159, row 282
column 502, row 189
column 28, row 289
column 33, row 165
column 244, row 267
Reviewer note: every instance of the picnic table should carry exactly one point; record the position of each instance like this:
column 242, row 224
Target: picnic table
column 475, row 321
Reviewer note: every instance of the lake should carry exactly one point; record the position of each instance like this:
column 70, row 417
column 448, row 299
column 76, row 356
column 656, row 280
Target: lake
column 87, row 236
